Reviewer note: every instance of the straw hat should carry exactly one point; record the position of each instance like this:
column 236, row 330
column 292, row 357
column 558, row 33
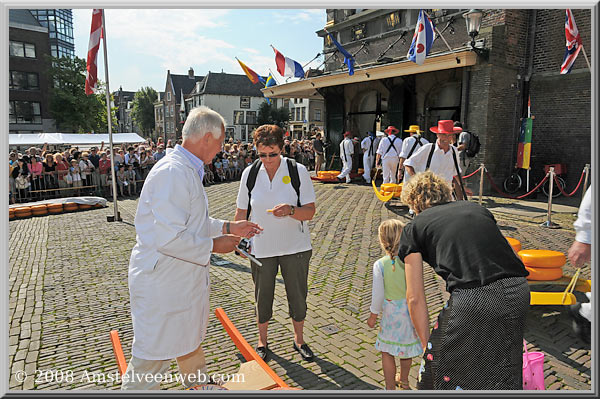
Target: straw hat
column 414, row 129
column 445, row 127
column 391, row 130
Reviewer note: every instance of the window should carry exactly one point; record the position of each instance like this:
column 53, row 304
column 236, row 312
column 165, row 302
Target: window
column 317, row 115
column 250, row 117
column 168, row 96
column 23, row 81
column 20, row 49
column 238, row 117
column 244, row 102
column 303, row 114
column 25, row 112
column 172, row 110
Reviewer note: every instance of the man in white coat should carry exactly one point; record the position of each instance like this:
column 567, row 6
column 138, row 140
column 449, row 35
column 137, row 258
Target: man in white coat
column 388, row 153
column 168, row 269
column 369, row 147
column 346, row 152
column 410, row 145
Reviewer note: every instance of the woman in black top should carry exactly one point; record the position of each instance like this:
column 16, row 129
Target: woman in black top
column 477, row 340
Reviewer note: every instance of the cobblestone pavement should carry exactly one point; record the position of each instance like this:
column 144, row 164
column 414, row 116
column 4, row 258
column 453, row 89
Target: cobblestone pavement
column 68, row 289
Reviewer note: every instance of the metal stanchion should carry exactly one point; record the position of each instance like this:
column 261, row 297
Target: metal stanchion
column 548, row 223
column 585, row 181
column 482, row 168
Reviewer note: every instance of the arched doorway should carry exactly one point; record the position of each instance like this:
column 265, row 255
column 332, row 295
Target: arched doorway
column 442, row 102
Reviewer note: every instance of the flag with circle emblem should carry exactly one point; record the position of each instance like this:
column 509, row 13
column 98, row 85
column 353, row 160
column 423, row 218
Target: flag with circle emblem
column 422, row 39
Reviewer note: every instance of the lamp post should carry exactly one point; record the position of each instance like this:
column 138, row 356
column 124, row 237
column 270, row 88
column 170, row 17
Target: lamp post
column 473, row 21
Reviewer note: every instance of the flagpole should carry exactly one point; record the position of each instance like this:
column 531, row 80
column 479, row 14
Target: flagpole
column 440, row 35
column 586, row 58
column 116, row 216
column 273, row 76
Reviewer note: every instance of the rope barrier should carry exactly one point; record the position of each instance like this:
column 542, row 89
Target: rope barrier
column 472, row 174
column 495, row 187
column 576, row 188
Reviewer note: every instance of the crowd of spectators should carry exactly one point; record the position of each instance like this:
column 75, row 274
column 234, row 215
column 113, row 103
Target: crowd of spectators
column 39, row 173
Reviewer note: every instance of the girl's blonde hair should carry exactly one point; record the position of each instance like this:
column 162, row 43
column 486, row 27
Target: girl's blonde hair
column 425, row 190
column 390, row 232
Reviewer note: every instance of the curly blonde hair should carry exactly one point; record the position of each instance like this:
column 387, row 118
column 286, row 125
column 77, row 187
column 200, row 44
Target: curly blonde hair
column 425, row 190
column 390, row 232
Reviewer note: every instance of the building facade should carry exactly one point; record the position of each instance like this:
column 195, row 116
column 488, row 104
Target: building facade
column 516, row 55
column 123, row 101
column 177, row 88
column 234, row 97
column 29, row 105
column 306, row 115
column 60, row 30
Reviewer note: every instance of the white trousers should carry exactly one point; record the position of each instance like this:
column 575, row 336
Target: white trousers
column 390, row 166
column 346, row 168
column 586, row 308
column 144, row 374
column 367, row 163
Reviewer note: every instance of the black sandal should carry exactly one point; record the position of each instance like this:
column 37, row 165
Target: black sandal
column 262, row 351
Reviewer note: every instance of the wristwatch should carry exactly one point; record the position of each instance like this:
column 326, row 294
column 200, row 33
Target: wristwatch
column 292, row 210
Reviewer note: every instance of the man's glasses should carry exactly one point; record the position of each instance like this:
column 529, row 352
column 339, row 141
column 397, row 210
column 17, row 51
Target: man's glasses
column 271, row 155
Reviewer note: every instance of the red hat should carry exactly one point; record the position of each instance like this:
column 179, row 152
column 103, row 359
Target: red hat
column 391, row 130
column 347, row 134
column 445, row 127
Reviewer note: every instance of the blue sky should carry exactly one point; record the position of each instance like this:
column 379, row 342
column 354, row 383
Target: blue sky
column 144, row 43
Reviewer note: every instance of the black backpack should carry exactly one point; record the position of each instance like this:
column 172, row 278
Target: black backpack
column 473, row 146
column 293, row 169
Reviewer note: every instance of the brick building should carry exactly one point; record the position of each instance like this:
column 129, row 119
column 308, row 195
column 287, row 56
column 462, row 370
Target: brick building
column 29, row 107
column 517, row 54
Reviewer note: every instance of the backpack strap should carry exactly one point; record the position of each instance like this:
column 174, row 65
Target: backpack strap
column 417, row 141
column 460, row 180
column 391, row 146
column 250, row 182
column 293, row 169
column 430, row 156
column 371, row 146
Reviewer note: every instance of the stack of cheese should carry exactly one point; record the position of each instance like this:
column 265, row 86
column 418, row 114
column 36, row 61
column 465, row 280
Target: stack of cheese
column 327, row 174
column 389, row 188
column 542, row 264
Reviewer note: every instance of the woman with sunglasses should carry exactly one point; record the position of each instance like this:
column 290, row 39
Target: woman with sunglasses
column 285, row 241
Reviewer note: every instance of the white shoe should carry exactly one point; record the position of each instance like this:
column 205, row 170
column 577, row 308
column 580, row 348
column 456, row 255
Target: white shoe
column 348, row 179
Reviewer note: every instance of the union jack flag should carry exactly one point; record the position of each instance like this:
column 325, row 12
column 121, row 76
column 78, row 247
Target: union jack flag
column 573, row 43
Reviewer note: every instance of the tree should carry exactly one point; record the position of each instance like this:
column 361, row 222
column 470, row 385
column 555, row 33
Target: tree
column 143, row 109
column 268, row 114
column 71, row 109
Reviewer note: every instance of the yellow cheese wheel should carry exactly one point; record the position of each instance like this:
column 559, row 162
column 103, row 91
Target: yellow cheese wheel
column 542, row 258
column 56, row 210
column 40, row 212
column 55, row 206
column 544, row 274
column 22, row 214
column 70, row 206
column 39, row 207
column 516, row 244
column 84, row 206
column 23, row 209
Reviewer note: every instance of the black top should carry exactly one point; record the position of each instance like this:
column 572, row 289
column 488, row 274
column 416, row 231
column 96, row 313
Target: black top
column 463, row 244
column 318, row 145
column 48, row 168
column 95, row 160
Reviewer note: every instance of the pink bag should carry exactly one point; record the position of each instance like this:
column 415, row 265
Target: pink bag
column 533, row 370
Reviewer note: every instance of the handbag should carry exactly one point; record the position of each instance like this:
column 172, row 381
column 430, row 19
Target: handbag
column 533, row 370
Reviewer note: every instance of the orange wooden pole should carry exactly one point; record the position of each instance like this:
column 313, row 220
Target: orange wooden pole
column 118, row 351
column 244, row 347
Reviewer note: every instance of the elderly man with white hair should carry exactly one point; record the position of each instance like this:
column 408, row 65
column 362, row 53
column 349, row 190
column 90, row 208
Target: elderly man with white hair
column 169, row 265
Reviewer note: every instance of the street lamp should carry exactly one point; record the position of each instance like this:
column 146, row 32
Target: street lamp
column 473, row 20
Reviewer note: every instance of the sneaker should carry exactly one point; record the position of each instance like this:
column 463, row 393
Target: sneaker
column 262, row 351
column 304, row 351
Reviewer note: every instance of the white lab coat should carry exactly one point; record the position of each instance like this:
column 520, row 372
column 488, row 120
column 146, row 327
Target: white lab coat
column 348, row 147
column 169, row 265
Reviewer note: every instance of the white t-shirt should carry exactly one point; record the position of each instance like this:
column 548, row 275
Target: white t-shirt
column 281, row 235
column 407, row 145
column 442, row 163
column 385, row 143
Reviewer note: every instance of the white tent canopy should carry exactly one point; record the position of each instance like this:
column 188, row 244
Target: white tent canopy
column 39, row 139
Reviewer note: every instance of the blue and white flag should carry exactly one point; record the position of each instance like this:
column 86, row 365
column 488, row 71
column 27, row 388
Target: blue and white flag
column 348, row 59
column 422, row 39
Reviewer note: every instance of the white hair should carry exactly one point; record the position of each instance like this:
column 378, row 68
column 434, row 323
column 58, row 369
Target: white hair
column 200, row 121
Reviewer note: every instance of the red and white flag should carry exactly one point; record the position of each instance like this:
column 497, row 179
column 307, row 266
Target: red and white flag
column 574, row 43
column 91, row 78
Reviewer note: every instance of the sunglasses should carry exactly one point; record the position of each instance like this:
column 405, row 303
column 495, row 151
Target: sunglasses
column 271, row 155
